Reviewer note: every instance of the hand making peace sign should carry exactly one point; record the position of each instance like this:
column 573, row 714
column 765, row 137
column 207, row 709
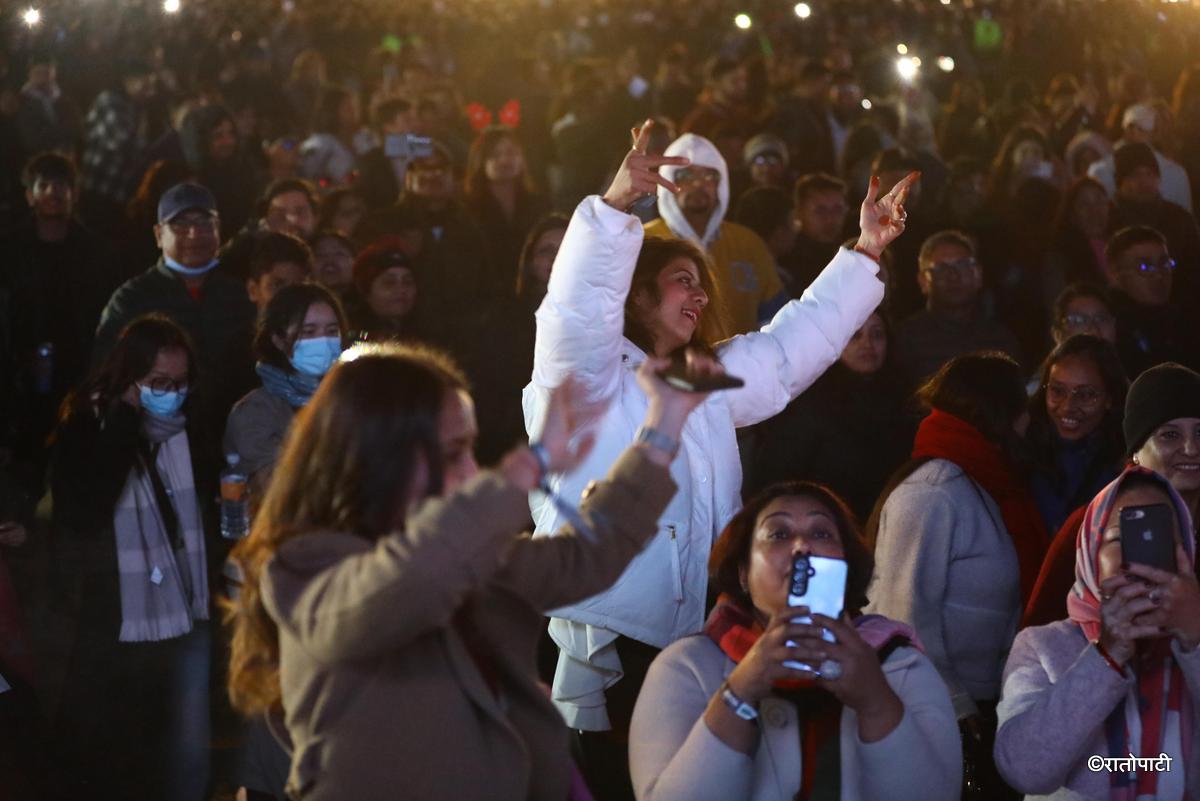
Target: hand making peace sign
column 882, row 220
column 638, row 175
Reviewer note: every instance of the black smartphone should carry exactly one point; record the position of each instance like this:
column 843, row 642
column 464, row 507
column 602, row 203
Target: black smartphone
column 676, row 375
column 1147, row 536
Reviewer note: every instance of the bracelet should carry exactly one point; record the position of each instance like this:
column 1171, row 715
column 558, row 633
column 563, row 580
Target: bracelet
column 864, row 252
column 657, row 440
column 740, row 708
column 1108, row 657
column 543, row 459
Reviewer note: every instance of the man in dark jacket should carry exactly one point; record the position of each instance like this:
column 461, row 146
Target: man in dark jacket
column 212, row 307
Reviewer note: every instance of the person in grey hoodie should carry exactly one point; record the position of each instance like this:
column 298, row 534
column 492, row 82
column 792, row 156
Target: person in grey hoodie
column 1099, row 705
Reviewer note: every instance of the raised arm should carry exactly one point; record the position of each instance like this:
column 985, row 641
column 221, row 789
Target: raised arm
column 809, row 334
column 582, row 318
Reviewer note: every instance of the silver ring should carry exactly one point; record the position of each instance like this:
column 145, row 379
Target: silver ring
column 1155, row 596
column 830, row 669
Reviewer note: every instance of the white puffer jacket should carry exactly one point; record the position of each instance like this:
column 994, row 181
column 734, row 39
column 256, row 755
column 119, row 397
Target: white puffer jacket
column 660, row 596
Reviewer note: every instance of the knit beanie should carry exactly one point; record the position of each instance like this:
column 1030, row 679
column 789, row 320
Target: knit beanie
column 1131, row 156
column 1160, row 394
column 376, row 260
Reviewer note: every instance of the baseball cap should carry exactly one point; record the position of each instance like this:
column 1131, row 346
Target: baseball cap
column 185, row 197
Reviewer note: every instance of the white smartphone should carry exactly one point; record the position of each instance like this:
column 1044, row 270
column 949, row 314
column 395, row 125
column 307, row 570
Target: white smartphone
column 818, row 582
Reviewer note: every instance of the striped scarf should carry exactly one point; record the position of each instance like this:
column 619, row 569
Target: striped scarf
column 164, row 589
column 1156, row 715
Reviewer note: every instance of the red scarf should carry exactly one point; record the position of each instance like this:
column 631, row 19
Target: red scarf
column 944, row 436
column 735, row 630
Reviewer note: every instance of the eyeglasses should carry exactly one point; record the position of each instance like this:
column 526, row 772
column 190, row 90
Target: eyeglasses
column 161, row 385
column 686, row 176
column 1077, row 320
column 943, row 269
column 193, row 225
column 1149, row 269
column 1085, row 396
column 764, row 159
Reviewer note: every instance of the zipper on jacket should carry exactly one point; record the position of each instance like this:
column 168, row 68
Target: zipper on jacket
column 676, row 569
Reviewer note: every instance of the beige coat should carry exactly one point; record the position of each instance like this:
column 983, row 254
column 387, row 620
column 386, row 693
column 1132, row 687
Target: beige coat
column 382, row 698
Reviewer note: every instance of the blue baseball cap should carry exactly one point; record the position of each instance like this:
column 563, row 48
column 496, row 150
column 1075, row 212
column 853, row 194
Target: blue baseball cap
column 185, row 197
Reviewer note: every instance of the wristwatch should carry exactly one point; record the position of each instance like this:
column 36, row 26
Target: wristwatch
column 740, row 708
column 657, row 440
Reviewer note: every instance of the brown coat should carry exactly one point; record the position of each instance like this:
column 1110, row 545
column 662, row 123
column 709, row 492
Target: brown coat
column 383, row 699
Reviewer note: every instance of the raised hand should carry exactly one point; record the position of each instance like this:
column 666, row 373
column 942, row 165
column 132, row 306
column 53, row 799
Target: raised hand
column 638, row 175
column 1176, row 597
column 1124, row 607
column 881, row 219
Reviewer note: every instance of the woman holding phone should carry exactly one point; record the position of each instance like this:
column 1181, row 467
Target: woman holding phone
column 1119, row 676
column 614, row 299
column 722, row 715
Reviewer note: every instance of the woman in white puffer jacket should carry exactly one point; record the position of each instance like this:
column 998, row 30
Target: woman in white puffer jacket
column 611, row 300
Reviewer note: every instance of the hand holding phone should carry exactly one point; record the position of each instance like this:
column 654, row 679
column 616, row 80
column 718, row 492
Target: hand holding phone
column 684, row 375
column 1148, row 536
column 818, row 583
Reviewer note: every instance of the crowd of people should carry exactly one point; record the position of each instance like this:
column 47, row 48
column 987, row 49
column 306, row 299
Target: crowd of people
column 431, row 275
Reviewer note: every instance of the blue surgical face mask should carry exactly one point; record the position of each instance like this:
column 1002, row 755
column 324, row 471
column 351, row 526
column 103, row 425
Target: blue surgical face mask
column 166, row 405
column 193, row 272
column 316, row 355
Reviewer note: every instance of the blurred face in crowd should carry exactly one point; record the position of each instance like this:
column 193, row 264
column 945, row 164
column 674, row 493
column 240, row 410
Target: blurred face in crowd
column 1144, row 274
column 42, row 77
column 544, row 252
column 822, row 216
column 1027, row 155
column 785, row 527
column 673, row 321
column 281, row 274
column 867, row 349
column 430, row 179
column 333, row 263
column 845, row 98
column 349, row 213
column 1138, row 135
column 140, row 88
column 319, row 321
column 347, row 114
column 951, row 279
column 733, row 86
column 222, row 141
column 1086, row 315
column 283, row 155
column 698, row 188
column 51, row 198
column 1084, row 158
column 505, row 163
column 1089, row 211
column 1173, row 451
column 1109, row 556
column 966, row 195
column 768, row 169
column 1076, row 399
column 457, row 432
column 191, row 238
column 291, row 213
column 393, row 294
column 1141, row 185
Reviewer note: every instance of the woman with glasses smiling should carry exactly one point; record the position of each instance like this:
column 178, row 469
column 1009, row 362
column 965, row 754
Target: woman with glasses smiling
column 130, row 479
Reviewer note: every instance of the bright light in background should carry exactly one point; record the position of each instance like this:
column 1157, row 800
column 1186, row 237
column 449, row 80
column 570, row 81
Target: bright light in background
column 902, row 49
column 743, row 21
column 945, row 2
column 31, row 16
column 866, row 104
column 916, row 60
column 945, row 64
column 803, row 10
column 171, row 6
column 907, row 67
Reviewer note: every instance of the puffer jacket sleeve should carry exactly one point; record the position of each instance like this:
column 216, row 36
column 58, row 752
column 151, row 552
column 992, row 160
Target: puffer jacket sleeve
column 581, row 319
column 804, row 338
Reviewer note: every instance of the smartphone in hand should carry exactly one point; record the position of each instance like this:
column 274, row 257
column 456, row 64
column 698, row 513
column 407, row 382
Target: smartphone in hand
column 819, row 583
column 676, row 375
column 1148, row 536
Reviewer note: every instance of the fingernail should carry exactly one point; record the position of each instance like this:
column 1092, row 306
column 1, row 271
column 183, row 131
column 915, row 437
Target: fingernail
column 874, row 179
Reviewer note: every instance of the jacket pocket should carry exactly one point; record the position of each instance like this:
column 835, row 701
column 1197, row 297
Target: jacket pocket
column 676, row 567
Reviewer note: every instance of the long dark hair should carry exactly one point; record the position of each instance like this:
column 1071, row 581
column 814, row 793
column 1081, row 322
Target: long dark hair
column 656, row 254
column 285, row 311
column 130, row 360
column 731, row 552
column 985, row 390
column 475, row 182
column 348, row 465
column 1040, row 436
column 553, row 221
column 195, row 131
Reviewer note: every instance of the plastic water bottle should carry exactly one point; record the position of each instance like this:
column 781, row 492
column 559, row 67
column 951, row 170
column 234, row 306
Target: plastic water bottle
column 43, row 368
column 235, row 507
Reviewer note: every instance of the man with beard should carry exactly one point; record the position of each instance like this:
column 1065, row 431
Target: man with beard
column 747, row 286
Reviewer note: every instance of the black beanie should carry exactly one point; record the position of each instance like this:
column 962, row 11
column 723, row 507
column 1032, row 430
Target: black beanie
column 1131, row 156
column 1160, row 394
